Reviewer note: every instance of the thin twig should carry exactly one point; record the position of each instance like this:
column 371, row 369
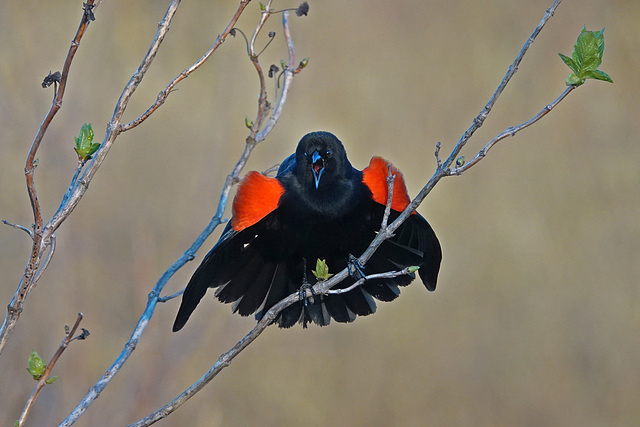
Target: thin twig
column 263, row 105
column 162, row 96
column 288, row 73
column 512, row 131
column 437, row 154
column 19, row 227
column 480, row 118
column 172, row 296
column 51, row 243
column 69, row 336
column 360, row 282
column 387, row 210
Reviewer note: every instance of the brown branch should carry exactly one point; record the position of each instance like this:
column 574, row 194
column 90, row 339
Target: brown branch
column 57, row 103
column 26, row 283
column 42, row 381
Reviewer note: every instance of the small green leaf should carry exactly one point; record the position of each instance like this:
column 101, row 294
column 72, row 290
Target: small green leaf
column 36, row 365
column 51, row 380
column 586, row 58
column 248, row 122
column 460, row 161
column 85, row 147
column 303, row 63
column 322, row 270
column 413, row 268
column 262, row 6
column 600, row 75
column 586, row 53
column 569, row 63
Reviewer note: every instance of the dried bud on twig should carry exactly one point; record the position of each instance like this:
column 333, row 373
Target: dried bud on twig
column 303, row 9
column 51, row 78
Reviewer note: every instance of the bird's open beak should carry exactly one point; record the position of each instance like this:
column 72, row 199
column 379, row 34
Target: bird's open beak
column 317, row 166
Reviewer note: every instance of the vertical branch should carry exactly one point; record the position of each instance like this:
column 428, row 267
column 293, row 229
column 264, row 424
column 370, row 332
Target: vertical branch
column 26, row 283
column 289, row 72
column 57, row 103
column 263, row 109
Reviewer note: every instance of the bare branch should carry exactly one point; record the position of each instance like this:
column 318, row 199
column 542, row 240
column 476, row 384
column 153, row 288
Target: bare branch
column 387, row 210
column 19, row 227
column 172, row 296
column 387, row 275
column 289, row 72
column 162, row 96
column 480, row 118
column 512, row 131
column 437, row 153
column 51, row 243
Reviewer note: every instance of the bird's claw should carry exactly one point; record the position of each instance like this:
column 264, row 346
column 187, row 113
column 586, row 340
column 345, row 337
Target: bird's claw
column 356, row 270
column 302, row 293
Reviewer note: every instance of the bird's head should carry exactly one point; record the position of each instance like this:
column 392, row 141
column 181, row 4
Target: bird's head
column 321, row 158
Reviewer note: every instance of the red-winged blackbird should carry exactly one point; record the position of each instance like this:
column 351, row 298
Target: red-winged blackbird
column 317, row 207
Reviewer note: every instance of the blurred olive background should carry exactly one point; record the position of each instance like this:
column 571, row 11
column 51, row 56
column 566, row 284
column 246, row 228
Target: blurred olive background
column 536, row 319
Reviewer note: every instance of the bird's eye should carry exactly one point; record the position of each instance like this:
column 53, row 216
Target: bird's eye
column 329, row 153
column 306, row 154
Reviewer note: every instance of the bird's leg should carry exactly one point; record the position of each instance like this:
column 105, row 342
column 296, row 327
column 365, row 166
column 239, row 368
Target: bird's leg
column 356, row 270
column 302, row 292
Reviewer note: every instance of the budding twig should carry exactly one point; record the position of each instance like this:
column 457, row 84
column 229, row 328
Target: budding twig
column 42, row 381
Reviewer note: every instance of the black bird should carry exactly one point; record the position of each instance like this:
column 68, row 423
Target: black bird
column 317, row 207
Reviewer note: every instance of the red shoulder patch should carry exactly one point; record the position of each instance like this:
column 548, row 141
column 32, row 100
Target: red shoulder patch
column 257, row 196
column 375, row 177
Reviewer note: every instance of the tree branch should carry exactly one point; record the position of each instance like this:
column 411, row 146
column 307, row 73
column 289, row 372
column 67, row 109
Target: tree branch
column 512, row 131
column 162, row 96
column 26, row 283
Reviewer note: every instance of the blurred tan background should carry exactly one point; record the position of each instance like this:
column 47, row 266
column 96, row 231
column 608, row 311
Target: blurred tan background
column 536, row 319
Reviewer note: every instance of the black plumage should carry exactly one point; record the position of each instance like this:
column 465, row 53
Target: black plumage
column 317, row 207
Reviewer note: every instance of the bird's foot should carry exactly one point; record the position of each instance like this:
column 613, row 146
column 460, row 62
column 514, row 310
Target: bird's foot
column 302, row 293
column 356, row 270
